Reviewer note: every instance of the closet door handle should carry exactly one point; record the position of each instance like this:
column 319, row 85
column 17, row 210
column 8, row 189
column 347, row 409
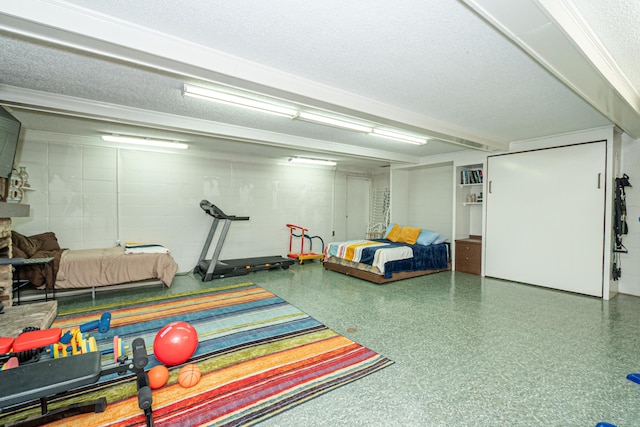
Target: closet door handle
column 599, row 176
column 490, row 182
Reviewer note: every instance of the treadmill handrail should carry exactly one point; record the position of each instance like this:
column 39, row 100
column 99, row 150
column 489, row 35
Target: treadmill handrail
column 216, row 212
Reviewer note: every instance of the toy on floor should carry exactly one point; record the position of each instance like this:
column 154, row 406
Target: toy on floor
column 189, row 375
column 119, row 349
column 635, row 377
column 44, row 379
column 158, row 376
column 27, row 346
column 302, row 255
column 175, row 343
column 102, row 325
column 78, row 341
column 11, row 363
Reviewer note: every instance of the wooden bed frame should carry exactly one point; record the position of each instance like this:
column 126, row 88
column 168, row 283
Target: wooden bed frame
column 378, row 278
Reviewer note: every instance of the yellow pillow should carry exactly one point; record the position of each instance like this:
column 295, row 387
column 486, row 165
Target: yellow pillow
column 394, row 234
column 409, row 235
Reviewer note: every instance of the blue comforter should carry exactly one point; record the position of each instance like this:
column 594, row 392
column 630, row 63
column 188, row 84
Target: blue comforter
column 432, row 257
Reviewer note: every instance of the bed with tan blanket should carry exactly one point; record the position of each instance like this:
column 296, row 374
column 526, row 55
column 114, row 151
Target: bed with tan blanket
column 398, row 256
column 110, row 266
column 91, row 268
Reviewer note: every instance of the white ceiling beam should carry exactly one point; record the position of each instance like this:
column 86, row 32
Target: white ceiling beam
column 555, row 34
column 61, row 23
column 80, row 107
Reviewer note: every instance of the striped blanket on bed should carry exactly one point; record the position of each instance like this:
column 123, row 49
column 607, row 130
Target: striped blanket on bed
column 369, row 252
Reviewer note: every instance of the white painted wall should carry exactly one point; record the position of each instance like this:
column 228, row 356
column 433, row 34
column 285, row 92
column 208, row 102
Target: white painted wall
column 421, row 197
column 92, row 196
column 629, row 283
column 73, row 193
column 430, row 199
column 381, row 178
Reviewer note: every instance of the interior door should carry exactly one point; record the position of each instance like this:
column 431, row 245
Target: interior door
column 545, row 217
column 358, row 194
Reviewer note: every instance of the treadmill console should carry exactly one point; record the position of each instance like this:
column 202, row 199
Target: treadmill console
column 216, row 212
column 212, row 210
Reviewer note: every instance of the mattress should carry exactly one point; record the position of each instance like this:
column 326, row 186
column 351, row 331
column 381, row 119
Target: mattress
column 385, row 257
column 86, row 268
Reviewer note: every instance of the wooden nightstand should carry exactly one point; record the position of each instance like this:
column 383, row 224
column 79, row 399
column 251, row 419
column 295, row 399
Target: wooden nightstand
column 469, row 255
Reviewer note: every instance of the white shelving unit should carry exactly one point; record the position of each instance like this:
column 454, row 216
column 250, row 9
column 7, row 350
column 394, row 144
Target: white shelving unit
column 469, row 195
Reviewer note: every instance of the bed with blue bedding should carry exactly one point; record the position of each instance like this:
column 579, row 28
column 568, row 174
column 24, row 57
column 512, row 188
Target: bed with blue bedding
column 382, row 260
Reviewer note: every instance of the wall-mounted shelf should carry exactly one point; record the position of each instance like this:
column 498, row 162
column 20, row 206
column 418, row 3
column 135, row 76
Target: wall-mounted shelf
column 471, row 203
column 12, row 210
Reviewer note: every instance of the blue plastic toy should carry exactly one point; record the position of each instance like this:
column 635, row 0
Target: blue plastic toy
column 101, row 325
column 634, row 377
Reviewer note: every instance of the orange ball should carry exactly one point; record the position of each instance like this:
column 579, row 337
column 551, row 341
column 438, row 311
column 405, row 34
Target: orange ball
column 189, row 375
column 158, row 376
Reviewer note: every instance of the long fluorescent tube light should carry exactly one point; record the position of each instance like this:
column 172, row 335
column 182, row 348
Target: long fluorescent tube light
column 309, row 161
column 333, row 122
column 399, row 136
column 144, row 141
column 240, row 101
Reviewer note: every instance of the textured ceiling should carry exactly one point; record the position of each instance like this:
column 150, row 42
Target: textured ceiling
column 616, row 23
column 432, row 67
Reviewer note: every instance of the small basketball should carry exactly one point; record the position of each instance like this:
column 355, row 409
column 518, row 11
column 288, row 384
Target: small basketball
column 189, row 375
column 158, row 376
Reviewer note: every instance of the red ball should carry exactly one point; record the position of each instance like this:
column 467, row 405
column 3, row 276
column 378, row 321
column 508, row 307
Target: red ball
column 189, row 375
column 175, row 343
column 158, row 376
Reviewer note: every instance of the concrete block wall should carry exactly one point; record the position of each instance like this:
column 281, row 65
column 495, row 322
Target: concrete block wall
column 94, row 196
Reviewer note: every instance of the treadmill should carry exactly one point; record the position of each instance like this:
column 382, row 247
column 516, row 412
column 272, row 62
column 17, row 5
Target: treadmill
column 216, row 268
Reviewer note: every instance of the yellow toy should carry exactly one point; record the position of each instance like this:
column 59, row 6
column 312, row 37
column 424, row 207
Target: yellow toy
column 78, row 341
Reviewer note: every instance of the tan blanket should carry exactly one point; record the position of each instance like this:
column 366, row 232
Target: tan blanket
column 86, row 268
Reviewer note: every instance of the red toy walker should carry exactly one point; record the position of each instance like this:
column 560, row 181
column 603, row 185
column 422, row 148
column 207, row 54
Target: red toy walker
column 302, row 255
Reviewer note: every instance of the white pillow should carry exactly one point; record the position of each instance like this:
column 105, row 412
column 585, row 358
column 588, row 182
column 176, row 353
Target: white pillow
column 440, row 239
column 426, row 237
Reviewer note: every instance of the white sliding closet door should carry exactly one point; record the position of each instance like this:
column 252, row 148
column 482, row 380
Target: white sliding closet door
column 545, row 217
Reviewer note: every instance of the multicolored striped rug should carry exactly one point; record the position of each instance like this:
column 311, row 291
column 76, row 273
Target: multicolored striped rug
column 258, row 354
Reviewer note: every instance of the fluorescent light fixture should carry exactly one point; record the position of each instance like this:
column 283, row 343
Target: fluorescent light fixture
column 239, row 101
column 309, row 161
column 266, row 106
column 399, row 136
column 145, row 141
column 324, row 120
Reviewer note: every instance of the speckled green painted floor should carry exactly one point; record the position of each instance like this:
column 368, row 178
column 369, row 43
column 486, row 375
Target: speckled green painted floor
column 469, row 351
